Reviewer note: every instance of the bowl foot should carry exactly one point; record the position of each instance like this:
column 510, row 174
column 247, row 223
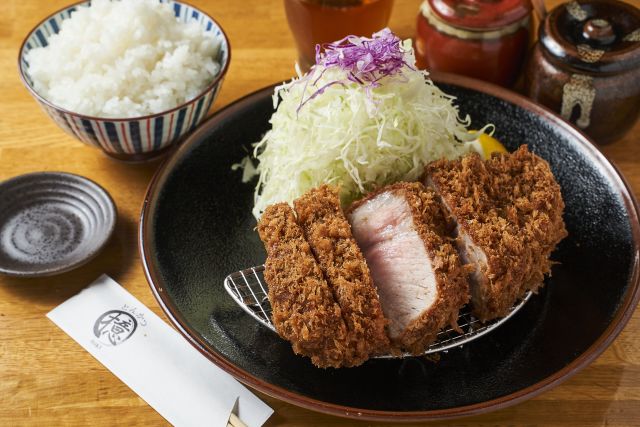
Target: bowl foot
column 140, row 157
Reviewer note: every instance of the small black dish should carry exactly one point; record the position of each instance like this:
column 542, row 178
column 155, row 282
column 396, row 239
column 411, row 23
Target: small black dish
column 52, row 222
column 196, row 227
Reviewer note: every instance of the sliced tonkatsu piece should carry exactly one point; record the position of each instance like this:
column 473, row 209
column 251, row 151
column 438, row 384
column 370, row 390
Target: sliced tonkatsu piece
column 329, row 234
column 508, row 211
column 532, row 198
column 402, row 231
column 304, row 310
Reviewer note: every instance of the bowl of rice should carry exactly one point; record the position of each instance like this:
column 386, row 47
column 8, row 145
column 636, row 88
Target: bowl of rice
column 129, row 77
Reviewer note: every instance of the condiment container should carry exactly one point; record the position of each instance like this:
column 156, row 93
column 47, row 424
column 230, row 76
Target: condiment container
column 485, row 39
column 586, row 66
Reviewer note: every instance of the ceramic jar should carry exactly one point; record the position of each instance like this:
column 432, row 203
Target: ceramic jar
column 484, row 39
column 586, row 66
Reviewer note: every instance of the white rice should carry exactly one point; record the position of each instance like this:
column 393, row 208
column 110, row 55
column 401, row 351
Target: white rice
column 124, row 59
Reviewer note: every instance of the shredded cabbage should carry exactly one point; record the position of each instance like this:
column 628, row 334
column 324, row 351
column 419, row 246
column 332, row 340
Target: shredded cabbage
column 353, row 136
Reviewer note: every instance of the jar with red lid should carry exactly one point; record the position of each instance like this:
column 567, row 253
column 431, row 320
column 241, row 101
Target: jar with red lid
column 484, row 39
column 586, row 66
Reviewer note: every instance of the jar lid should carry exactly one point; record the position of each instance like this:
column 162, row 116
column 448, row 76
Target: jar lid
column 593, row 35
column 479, row 15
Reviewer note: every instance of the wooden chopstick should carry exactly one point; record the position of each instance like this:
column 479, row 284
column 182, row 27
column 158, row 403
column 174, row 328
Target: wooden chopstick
column 234, row 421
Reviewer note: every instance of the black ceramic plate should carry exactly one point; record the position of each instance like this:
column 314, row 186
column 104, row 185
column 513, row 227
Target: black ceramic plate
column 52, row 222
column 196, row 227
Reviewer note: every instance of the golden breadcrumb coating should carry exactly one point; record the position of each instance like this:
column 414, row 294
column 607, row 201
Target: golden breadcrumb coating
column 511, row 208
column 304, row 310
column 329, row 235
column 431, row 224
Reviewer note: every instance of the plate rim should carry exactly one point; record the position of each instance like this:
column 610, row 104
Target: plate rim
column 617, row 324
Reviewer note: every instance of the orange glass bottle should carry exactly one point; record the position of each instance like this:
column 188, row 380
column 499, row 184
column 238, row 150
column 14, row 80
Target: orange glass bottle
column 324, row 21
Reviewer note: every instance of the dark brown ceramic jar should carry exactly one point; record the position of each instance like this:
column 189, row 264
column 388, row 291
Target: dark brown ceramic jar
column 586, row 66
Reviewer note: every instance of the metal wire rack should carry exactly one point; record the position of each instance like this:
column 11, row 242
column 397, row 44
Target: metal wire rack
column 248, row 289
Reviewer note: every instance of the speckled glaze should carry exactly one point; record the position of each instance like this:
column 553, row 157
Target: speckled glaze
column 196, row 227
column 589, row 75
column 52, row 222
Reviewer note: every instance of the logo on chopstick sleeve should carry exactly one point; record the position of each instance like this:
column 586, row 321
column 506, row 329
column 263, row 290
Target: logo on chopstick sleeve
column 114, row 327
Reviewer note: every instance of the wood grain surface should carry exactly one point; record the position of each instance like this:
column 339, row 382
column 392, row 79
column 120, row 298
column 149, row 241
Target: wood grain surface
column 48, row 379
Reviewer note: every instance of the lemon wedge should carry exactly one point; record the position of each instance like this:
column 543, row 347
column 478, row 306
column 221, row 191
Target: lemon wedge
column 486, row 144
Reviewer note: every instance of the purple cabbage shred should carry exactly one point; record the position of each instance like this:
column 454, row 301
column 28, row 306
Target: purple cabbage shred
column 365, row 61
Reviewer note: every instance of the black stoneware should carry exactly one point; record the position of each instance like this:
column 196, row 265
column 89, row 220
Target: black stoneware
column 51, row 222
column 197, row 227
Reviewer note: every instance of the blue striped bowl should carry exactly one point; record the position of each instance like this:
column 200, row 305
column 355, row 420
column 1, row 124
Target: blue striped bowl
column 138, row 138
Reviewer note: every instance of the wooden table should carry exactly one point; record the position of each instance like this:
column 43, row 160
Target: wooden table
column 47, row 379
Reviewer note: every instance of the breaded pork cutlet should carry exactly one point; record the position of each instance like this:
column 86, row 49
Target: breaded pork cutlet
column 329, row 234
column 508, row 211
column 304, row 310
column 402, row 231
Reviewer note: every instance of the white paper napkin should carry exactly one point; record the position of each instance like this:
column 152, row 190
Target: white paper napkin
column 153, row 359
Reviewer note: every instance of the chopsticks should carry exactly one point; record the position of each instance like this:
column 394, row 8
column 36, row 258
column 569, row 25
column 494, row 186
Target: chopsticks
column 234, row 421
